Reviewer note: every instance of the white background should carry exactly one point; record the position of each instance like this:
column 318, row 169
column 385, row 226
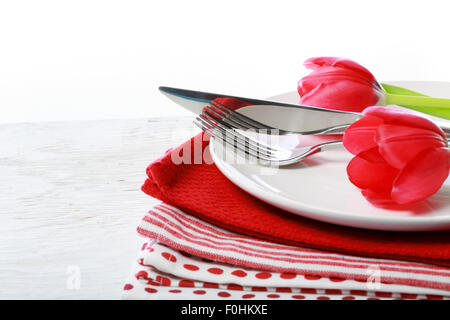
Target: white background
column 63, row 60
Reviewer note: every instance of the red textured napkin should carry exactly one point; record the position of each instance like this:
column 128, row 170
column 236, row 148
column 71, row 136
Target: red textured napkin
column 203, row 191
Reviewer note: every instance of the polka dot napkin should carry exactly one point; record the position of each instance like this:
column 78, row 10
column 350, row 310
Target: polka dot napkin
column 164, row 273
column 187, row 258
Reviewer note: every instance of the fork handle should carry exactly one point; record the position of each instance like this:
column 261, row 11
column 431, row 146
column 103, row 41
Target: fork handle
column 336, row 144
column 329, row 145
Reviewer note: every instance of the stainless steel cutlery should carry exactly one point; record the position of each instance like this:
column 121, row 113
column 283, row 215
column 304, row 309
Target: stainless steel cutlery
column 287, row 117
column 253, row 141
column 250, row 130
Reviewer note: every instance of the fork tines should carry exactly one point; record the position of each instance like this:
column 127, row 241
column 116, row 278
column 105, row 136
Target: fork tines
column 246, row 122
column 224, row 123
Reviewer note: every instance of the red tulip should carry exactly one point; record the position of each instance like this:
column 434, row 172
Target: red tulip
column 341, row 84
column 400, row 157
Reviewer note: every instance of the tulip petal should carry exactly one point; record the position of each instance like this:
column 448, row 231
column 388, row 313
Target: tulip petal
column 360, row 136
column 403, row 118
column 376, row 176
column 379, row 199
column 372, row 155
column 335, row 75
column 422, row 177
column 343, row 95
column 319, row 62
column 400, row 144
column 305, row 86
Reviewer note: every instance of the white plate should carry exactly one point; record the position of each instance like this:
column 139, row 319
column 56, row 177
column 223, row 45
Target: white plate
column 318, row 188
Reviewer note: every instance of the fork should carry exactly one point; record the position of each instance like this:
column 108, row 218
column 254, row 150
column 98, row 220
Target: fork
column 225, row 124
column 233, row 118
column 229, row 117
column 265, row 153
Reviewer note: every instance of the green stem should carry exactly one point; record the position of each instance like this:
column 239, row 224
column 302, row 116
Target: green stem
column 434, row 106
column 422, row 101
column 390, row 88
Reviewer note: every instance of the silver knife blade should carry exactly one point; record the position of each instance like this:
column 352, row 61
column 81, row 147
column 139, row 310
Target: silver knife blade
column 285, row 116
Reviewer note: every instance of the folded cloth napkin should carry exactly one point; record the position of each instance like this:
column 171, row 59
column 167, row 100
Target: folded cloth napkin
column 247, row 261
column 197, row 187
column 165, row 273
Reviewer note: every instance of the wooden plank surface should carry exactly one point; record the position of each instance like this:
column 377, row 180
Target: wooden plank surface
column 70, row 202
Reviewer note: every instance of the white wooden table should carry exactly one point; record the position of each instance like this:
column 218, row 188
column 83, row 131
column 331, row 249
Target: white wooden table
column 70, row 203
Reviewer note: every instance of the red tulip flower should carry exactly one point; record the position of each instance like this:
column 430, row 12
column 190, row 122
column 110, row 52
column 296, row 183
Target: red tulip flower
column 400, row 157
column 340, row 84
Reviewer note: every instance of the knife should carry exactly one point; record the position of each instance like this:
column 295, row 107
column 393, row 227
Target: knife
column 291, row 118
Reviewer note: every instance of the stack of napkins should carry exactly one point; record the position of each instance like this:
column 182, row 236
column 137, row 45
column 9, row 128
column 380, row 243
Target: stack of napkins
column 209, row 239
column 187, row 258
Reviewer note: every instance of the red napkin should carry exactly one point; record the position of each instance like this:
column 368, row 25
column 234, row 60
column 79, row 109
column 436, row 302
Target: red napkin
column 202, row 190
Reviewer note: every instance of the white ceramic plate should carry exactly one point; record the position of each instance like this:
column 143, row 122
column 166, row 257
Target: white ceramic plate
column 318, row 188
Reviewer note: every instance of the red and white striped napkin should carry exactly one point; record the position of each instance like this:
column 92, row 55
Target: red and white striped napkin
column 187, row 258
